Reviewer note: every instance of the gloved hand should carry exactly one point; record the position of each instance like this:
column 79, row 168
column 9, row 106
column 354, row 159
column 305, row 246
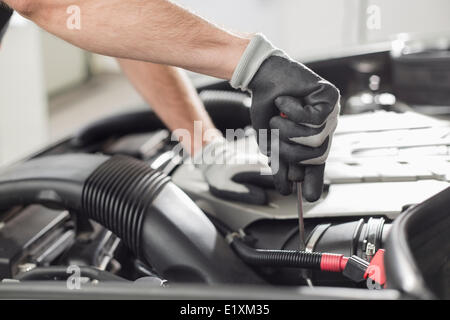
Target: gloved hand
column 233, row 174
column 280, row 85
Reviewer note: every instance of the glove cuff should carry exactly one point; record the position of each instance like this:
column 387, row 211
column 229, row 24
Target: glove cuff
column 258, row 50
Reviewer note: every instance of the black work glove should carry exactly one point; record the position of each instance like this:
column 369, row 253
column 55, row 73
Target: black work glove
column 310, row 108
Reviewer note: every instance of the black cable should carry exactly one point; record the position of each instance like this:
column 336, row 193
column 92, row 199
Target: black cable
column 279, row 258
column 272, row 258
column 276, row 258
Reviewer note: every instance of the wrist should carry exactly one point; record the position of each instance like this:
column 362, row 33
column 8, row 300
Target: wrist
column 226, row 55
column 257, row 51
column 236, row 50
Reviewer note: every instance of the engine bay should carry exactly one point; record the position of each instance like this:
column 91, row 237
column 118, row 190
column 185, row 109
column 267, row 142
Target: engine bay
column 117, row 205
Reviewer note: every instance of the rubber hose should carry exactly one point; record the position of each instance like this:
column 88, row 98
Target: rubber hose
column 160, row 223
column 150, row 214
column 277, row 258
column 119, row 193
column 281, row 258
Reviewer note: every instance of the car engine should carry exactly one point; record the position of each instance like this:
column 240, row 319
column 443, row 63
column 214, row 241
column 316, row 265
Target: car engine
column 116, row 204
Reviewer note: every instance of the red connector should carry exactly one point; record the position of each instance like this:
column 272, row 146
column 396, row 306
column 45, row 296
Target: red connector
column 376, row 271
column 333, row 262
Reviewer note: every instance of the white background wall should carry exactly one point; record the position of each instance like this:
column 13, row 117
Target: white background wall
column 300, row 27
column 23, row 99
column 418, row 16
column 308, row 27
column 64, row 64
column 33, row 64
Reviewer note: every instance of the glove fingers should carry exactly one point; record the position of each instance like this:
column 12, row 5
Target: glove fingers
column 255, row 195
column 281, row 179
column 296, row 153
column 313, row 115
column 296, row 172
column 313, row 183
column 254, row 178
column 325, row 98
column 261, row 115
column 292, row 132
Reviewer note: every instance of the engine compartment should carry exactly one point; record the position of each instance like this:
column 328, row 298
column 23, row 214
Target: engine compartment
column 79, row 203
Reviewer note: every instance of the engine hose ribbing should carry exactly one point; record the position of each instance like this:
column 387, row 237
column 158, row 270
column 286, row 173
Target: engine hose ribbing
column 152, row 216
column 119, row 193
column 289, row 258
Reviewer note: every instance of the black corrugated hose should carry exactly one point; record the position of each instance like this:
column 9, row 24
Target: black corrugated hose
column 276, row 258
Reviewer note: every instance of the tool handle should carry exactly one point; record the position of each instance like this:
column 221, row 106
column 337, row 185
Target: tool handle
column 301, row 222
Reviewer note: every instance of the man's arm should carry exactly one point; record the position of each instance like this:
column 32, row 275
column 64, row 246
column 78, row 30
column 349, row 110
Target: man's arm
column 159, row 31
column 149, row 30
column 171, row 95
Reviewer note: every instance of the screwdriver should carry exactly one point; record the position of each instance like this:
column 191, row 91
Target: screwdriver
column 301, row 222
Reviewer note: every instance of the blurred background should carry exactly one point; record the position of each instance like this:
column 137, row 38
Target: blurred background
column 49, row 88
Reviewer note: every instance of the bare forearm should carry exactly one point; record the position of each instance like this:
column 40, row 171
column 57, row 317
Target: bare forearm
column 149, row 30
column 170, row 93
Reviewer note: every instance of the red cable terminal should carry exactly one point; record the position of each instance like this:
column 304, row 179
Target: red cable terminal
column 333, row 262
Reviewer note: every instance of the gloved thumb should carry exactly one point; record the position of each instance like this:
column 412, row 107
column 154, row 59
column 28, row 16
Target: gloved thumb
column 245, row 187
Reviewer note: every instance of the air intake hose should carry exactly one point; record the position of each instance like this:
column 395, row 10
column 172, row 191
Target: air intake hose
column 153, row 217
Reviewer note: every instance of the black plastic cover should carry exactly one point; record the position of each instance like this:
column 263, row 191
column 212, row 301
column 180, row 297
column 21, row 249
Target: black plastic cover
column 23, row 233
column 417, row 259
